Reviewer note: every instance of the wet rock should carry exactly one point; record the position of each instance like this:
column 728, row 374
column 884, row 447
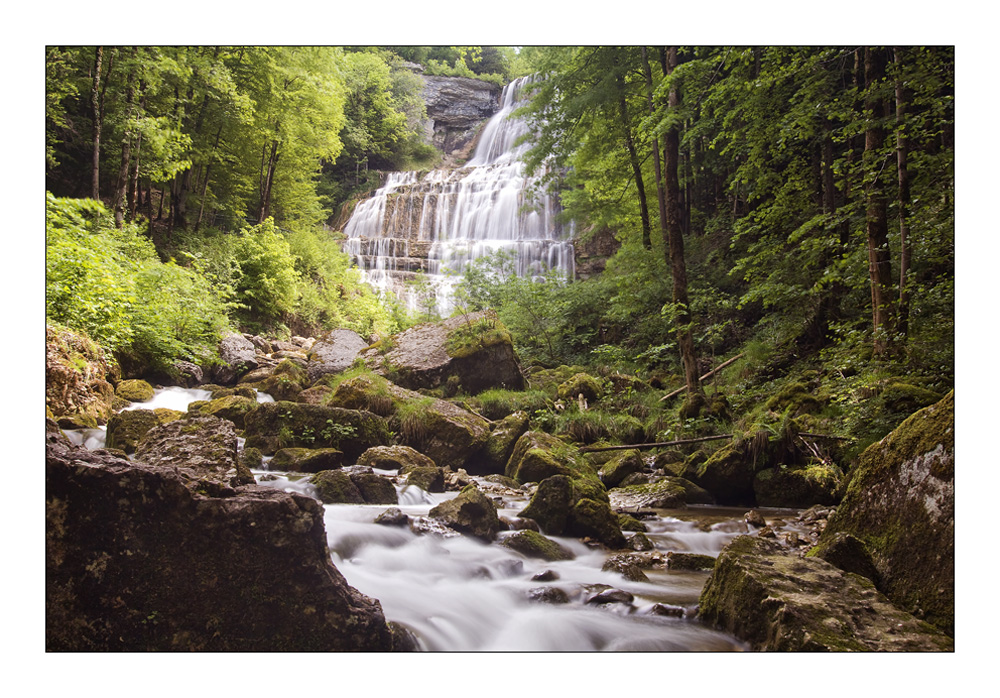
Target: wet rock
column 689, row 561
column 424, row 525
column 403, row 639
column 627, row 522
column 533, row 544
column 252, row 458
column 187, row 374
column 547, row 595
column 844, row 551
column 334, row 353
column 517, row 524
column 626, row 566
column 640, row 542
column 392, row 516
column 900, row 503
column 336, row 487
column 595, row 519
column 609, row 596
column 545, row 576
column 754, row 518
column 776, row 600
column 471, row 512
column 307, row 460
column 667, row 610
column 375, row 489
column 429, row 479
column 248, row 569
column 728, row 474
column 561, row 507
column 538, row 456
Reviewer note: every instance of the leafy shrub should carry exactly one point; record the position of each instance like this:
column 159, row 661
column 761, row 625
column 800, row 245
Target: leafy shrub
column 265, row 281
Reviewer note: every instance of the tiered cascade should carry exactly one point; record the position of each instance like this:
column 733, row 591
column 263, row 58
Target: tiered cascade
column 439, row 223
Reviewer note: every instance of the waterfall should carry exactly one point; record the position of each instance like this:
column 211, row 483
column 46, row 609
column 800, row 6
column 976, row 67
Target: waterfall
column 441, row 222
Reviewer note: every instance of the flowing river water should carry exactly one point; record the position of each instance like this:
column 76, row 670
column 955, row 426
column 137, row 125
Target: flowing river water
column 456, row 593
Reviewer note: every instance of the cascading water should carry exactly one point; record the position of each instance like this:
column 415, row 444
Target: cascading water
column 441, row 222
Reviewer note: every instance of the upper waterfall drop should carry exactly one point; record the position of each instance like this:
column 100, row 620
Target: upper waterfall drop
column 439, row 223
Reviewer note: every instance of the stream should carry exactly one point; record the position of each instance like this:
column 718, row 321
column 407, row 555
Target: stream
column 456, row 593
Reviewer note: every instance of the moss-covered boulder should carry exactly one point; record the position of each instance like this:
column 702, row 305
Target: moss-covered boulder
column 475, row 351
column 551, row 504
column 429, row 479
column 374, row 488
column 900, row 503
column 333, row 353
column 689, row 561
column 594, row 519
column 627, row 566
column 620, row 467
column 796, row 398
column 775, row 600
column 500, row 445
column 275, row 425
column 445, row 432
column 537, row 456
column 77, row 375
column 533, row 544
column 580, row 384
column 471, row 512
column 797, row 486
column 899, row 396
column 336, row 487
column 233, row 407
column 307, row 460
column 126, row 429
column 728, row 474
column 135, row 390
column 402, row 458
column 665, row 493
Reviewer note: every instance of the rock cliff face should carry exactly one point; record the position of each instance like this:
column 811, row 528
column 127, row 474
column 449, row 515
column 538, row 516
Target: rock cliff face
column 456, row 108
column 141, row 557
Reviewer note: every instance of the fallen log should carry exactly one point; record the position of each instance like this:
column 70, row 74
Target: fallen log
column 707, row 375
column 701, row 439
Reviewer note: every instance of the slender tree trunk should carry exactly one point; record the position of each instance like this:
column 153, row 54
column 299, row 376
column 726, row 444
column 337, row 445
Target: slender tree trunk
column 902, row 150
column 95, row 105
column 876, row 223
column 133, row 190
column 636, row 168
column 661, row 201
column 675, row 241
column 267, row 181
column 121, row 183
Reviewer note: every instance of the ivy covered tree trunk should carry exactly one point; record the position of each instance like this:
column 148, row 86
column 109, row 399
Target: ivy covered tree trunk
column 675, row 240
column 876, row 223
column 95, row 106
column 902, row 149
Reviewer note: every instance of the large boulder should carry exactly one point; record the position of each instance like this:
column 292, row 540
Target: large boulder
column 620, row 467
column 307, row 460
column 534, row 544
column 402, row 458
column 334, row 353
column 499, row 446
column 77, row 373
column 729, row 475
column 231, row 407
column 471, row 512
column 900, row 503
column 666, row 493
column 537, row 456
column 135, row 390
column 799, row 487
column 140, row 558
column 275, row 425
column 440, row 430
column 127, row 428
column 565, row 506
column 775, row 600
column 474, row 350
column 239, row 356
column 202, row 446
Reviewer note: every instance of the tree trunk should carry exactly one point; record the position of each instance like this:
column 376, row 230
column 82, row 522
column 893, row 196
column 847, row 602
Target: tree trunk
column 661, row 201
column 636, row 168
column 264, row 210
column 95, row 105
column 902, row 149
column 876, row 223
column 121, row 183
column 675, row 241
column 133, row 190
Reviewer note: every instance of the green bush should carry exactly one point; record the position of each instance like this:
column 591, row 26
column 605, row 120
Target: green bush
column 265, row 281
column 110, row 284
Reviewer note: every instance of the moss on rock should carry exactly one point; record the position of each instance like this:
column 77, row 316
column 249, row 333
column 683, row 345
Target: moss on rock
column 231, row 407
column 533, row 544
column 307, row 460
column 275, row 425
column 800, row 487
column 580, row 384
column 126, row 429
column 471, row 512
column 336, row 487
column 135, row 390
column 620, row 467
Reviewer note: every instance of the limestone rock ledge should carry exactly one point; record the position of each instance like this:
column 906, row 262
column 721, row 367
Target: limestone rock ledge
column 142, row 557
column 775, row 600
